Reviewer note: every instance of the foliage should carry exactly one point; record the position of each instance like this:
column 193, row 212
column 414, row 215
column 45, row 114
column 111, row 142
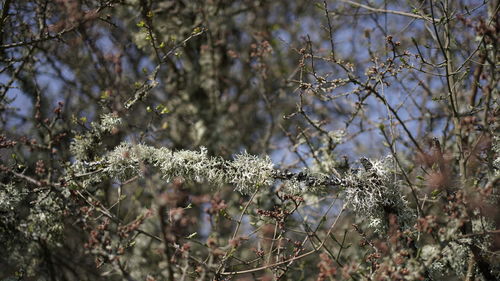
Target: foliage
column 249, row 140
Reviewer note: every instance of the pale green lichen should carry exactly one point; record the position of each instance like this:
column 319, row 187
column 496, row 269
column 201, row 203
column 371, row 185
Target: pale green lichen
column 374, row 193
column 29, row 217
column 191, row 165
column 108, row 123
column 84, row 145
column 496, row 149
column 337, row 136
column 248, row 172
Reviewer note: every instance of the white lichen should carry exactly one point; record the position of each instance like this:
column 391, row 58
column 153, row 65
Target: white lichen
column 374, row 193
column 248, row 172
column 496, row 148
